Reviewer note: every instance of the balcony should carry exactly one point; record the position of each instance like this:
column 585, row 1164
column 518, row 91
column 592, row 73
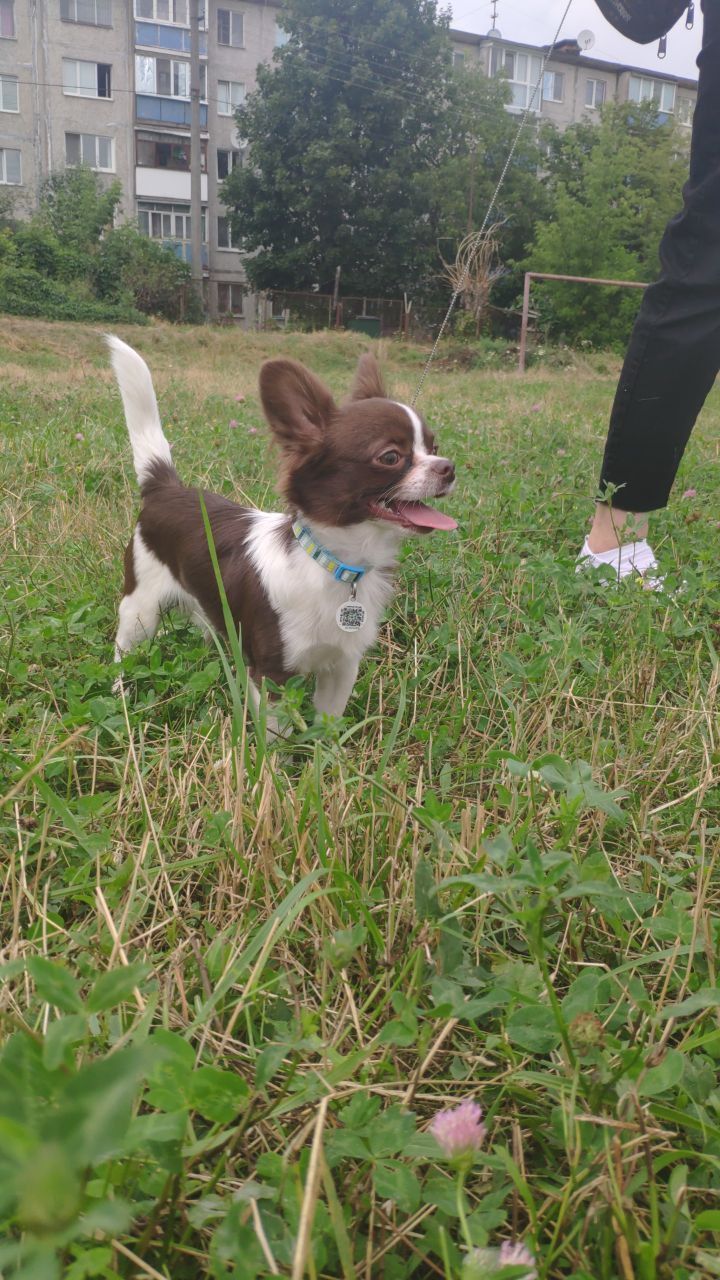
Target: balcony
column 167, row 110
column 183, row 250
column 166, row 184
column 156, row 35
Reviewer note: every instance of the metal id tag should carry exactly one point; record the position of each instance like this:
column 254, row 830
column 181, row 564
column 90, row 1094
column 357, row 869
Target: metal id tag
column 351, row 615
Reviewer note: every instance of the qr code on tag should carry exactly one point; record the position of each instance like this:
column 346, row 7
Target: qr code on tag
column 350, row 616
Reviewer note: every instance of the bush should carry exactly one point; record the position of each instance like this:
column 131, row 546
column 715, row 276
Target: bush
column 68, row 263
column 23, row 292
column 129, row 264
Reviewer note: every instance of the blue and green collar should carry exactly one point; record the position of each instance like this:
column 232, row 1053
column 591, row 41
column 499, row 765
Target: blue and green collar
column 340, row 571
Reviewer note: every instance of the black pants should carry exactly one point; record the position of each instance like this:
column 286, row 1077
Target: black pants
column 674, row 351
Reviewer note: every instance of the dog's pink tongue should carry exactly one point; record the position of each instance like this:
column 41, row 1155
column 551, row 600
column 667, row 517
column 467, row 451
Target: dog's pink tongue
column 417, row 513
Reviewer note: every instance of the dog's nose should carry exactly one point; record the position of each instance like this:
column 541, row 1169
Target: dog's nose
column 445, row 469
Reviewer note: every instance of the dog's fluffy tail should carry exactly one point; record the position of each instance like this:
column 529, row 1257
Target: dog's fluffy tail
column 148, row 442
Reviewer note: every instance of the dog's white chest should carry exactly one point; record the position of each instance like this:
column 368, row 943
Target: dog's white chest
column 307, row 599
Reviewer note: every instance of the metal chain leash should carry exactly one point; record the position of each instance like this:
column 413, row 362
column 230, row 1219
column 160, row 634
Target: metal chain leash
column 477, row 239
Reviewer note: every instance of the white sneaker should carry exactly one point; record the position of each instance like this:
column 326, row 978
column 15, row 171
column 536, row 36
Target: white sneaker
column 636, row 558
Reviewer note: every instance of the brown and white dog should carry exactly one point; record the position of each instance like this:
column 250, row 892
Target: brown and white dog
column 307, row 587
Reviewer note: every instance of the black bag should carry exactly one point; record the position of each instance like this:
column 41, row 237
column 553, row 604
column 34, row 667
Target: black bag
column 642, row 20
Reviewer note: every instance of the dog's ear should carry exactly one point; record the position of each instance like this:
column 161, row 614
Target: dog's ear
column 297, row 405
column 368, row 383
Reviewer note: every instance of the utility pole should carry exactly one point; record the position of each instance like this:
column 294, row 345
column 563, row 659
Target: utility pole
column 195, row 152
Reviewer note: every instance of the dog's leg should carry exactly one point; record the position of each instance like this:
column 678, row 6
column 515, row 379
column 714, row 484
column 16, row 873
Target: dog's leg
column 334, row 686
column 148, row 585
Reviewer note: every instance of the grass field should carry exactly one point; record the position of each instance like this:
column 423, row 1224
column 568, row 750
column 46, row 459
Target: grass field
column 241, row 979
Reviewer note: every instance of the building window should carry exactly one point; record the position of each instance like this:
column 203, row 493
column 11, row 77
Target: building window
column 226, row 162
column 86, row 79
column 553, row 86
column 458, row 58
column 166, row 151
column 230, row 28
column 657, row 91
column 10, row 167
column 167, row 77
column 231, row 95
column 92, row 149
column 595, row 93
column 224, row 233
column 164, row 11
column 231, row 298
column 92, row 13
column 282, row 37
column 523, row 72
column 7, row 19
column 685, row 110
column 168, row 222
column 9, row 93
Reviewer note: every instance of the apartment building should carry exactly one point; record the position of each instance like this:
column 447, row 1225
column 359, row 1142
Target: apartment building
column 107, row 83
column 575, row 85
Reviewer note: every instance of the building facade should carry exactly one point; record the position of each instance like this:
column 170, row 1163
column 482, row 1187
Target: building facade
column 106, row 83
column 574, row 84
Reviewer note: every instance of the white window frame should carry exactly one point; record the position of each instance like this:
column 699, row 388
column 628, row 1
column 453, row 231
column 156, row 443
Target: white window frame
column 69, row 10
column 521, row 87
column 234, row 19
column 160, row 7
column 158, row 212
column 226, row 99
column 550, row 80
column 458, row 58
column 146, row 76
column 93, row 161
column 80, row 91
column 229, row 247
column 235, row 160
column 596, row 90
column 6, row 80
column 651, row 90
column 10, row 8
column 4, row 180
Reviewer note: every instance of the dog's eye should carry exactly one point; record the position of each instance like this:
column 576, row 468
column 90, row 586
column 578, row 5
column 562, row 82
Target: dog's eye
column 389, row 458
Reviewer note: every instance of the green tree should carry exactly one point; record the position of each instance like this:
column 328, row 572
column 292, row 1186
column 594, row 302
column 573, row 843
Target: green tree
column 129, row 267
column 612, row 189
column 353, row 110
column 457, row 191
column 78, row 207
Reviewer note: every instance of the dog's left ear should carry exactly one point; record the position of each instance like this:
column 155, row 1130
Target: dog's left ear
column 297, row 405
column 368, row 383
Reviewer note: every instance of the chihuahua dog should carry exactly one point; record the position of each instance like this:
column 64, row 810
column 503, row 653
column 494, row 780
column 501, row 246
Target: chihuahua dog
column 307, row 587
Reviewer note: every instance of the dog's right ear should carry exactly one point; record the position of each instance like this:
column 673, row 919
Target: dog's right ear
column 297, row 405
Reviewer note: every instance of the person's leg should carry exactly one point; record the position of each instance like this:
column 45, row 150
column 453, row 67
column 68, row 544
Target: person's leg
column 674, row 351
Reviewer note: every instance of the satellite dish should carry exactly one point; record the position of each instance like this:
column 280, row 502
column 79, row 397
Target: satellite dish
column 586, row 39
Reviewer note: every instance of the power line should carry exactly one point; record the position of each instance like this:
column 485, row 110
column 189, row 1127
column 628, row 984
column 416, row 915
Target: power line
column 477, row 239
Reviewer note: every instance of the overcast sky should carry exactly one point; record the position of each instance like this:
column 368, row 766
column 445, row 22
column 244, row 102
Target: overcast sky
column 535, row 22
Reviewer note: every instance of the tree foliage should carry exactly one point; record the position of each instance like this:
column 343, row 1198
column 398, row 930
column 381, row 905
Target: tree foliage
column 363, row 145
column 612, row 188
column 69, row 262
